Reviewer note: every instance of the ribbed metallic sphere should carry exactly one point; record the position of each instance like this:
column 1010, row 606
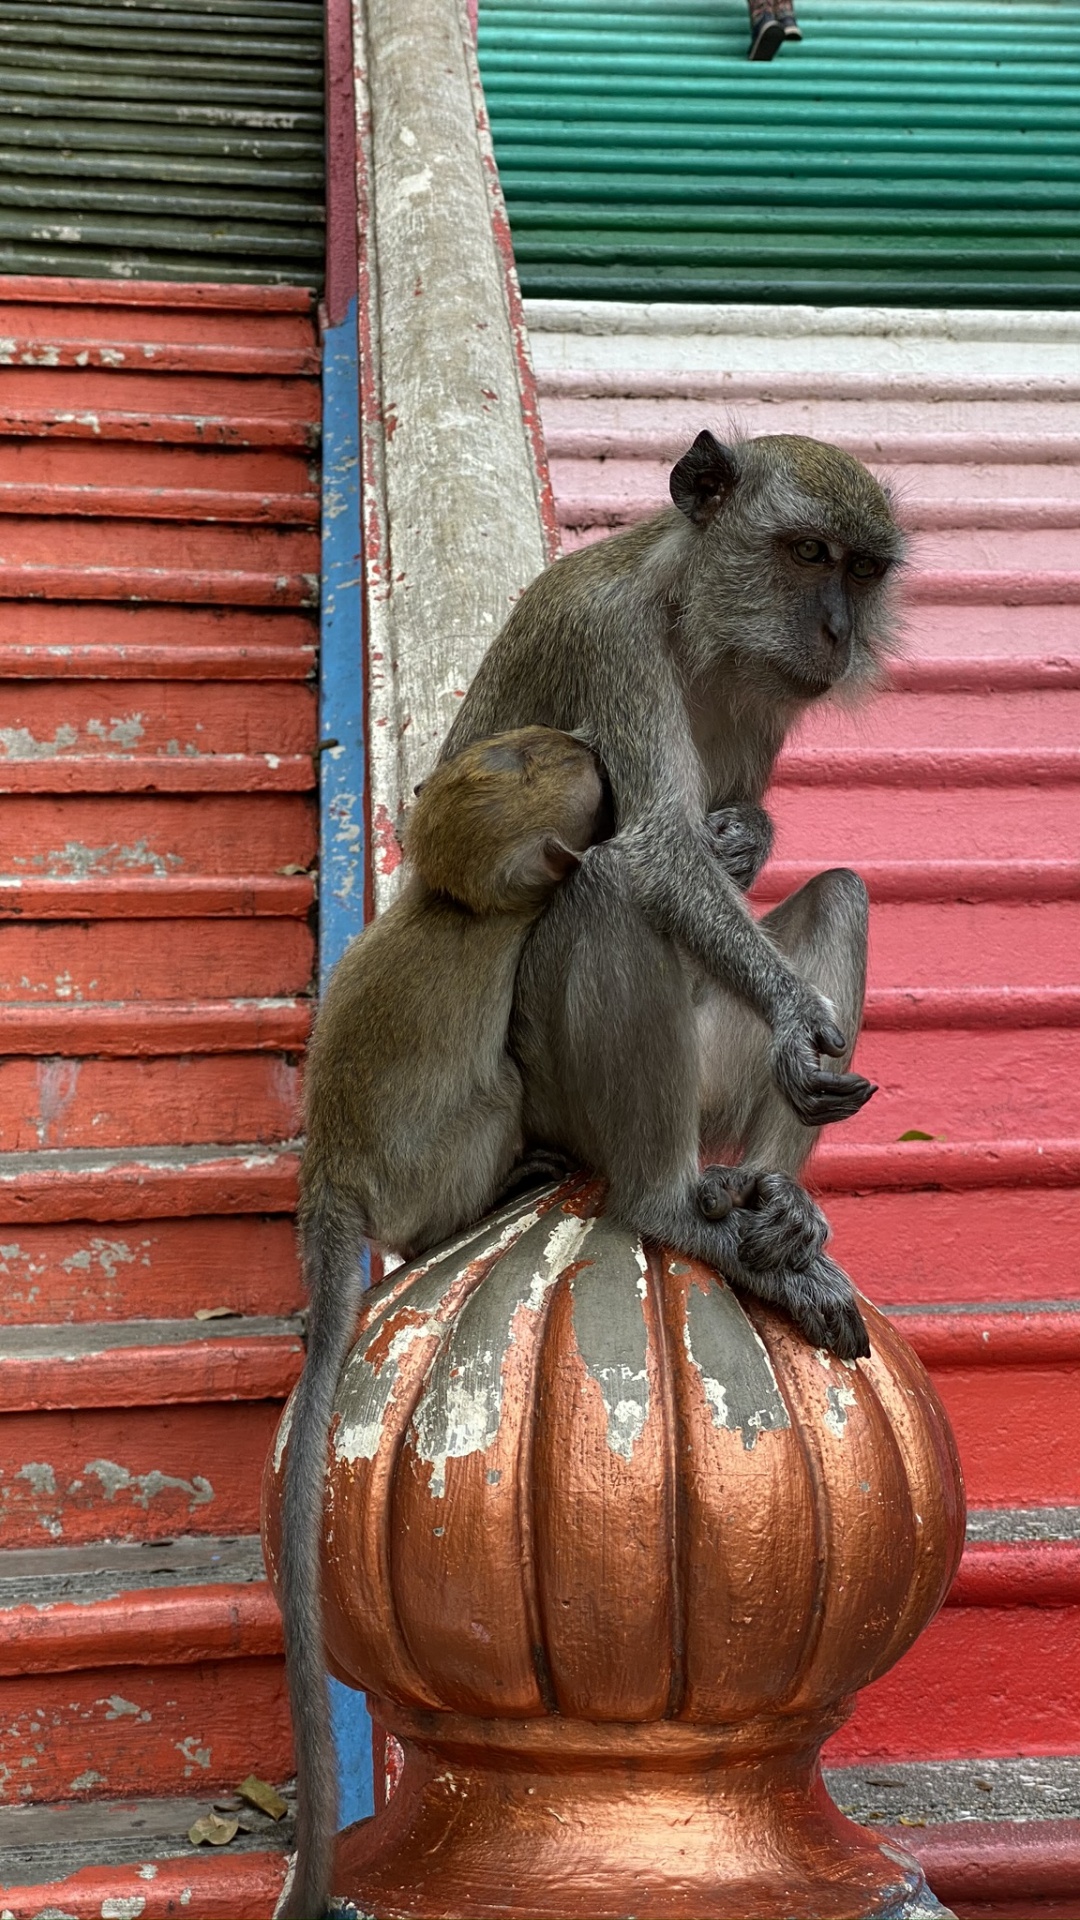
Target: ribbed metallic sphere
column 589, row 1510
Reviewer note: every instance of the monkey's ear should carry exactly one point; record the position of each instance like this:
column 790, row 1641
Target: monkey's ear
column 558, row 858
column 701, row 481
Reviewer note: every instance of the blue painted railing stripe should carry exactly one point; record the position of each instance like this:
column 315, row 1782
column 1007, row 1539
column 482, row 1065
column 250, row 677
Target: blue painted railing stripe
column 342, row 839
column 342, row 757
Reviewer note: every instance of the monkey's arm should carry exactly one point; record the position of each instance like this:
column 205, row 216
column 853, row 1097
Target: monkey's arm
column 670, row 860
column 601, row 663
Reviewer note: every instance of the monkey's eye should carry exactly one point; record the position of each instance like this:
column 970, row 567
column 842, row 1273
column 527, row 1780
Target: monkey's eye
column 812, row 553
column 863, row 566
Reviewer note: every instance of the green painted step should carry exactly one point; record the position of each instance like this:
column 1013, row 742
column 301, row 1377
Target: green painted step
column 172, row 140
column 919, row 154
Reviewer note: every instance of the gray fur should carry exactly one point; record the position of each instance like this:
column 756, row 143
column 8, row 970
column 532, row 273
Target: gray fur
column 652, row 1011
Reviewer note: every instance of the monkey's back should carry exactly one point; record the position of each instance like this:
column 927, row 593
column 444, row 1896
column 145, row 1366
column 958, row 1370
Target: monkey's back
column 413, row 1103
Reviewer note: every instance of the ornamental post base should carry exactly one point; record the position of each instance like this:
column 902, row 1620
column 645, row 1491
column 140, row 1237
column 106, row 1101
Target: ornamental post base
column 576, row 1820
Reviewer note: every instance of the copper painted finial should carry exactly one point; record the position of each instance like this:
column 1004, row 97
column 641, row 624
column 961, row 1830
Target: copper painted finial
column 613, row 1550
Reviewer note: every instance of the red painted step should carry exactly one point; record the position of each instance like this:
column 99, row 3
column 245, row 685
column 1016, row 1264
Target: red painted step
column 150, row 1269
column 156, row 774
column 237, row 406
column 242, row 1886
column 137, row 1474
column 45, row 720
column 56, row 469
column 97, row 837
column 64, row 641
column 78, row 964
column 125, row 1031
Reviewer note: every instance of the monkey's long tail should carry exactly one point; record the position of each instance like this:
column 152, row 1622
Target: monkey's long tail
column 332, row 1237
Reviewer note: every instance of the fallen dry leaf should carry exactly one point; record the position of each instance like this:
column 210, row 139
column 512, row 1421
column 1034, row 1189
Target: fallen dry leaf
column 216, row 1313
column 910, row 1820
column 259, row 1793
column 210, row 1830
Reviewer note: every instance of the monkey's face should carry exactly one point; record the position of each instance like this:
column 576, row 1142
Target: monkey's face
column 797, row 555
column 834, row 601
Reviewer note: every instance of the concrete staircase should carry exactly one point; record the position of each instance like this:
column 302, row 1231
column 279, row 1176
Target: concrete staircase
column 159, row 557
column 956, row 796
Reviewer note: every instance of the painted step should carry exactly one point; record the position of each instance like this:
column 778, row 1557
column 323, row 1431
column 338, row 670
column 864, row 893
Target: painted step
column 950, row 1086
column 239, row 408
column 69, row 465
column 140, row 1430
column 173, row 1728
column 976, row 721
column 999, row 1839
column 149, row 1183
column 155, row 837
column 81, row 964
column 94, row 1271
column 191, row 1598
column 159, row 773
column 88, row 640
column 69, row 345
column 988, row 1084
column 198, row 308
column 889, row 435
column 118, row 548
column 140, row 1028
column 149, row 1362
column 134, row 1858
column 1023, row 1356
column 124, row 1031
column 41, row 720
column 951, row 945
column 188, row 1100
column 999, row 1662
column 932, row 1246
column 859, row 824
column 155, row 897
column 1002, row 495
column 105, row 425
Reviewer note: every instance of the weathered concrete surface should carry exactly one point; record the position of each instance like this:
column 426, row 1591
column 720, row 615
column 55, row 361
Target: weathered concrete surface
column 453, row 494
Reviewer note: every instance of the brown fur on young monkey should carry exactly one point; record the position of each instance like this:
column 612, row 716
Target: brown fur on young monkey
column 413, row 1124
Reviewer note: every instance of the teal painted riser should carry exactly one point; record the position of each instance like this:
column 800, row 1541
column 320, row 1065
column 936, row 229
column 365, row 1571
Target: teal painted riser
column 917, row 153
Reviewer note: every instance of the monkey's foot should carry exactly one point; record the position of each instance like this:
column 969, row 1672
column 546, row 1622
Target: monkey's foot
column 777, row 1223
column 538, row 1168
column 820, row 1299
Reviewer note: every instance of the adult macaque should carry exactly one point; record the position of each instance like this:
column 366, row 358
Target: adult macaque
column 653, row 1015
column 413, row 1124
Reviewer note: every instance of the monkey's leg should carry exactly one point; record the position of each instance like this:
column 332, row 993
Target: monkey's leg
column 605, row 1034
column 823, row 930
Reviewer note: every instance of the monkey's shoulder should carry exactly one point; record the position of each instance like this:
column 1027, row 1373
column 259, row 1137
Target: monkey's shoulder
column 419, row 977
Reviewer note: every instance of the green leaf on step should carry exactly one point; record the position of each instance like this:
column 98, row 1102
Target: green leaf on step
column 259, row 1793
column 916, row 1133
column 210, row 1830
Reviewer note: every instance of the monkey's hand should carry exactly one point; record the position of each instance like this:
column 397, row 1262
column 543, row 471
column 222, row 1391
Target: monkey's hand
column 775, row 1219
column 742, row 838
column 816, row 1094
